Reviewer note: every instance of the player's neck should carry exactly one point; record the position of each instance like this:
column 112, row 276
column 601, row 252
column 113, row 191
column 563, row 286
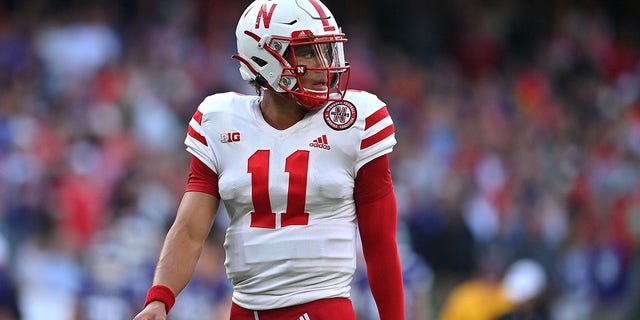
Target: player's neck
column 280, row 112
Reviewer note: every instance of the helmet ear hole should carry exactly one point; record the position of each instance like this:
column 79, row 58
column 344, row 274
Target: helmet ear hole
column 259, row 61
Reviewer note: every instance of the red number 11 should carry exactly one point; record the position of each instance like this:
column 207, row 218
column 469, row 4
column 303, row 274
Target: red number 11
column 296, row 165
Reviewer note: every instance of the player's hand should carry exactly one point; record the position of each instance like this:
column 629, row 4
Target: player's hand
column 153, row 311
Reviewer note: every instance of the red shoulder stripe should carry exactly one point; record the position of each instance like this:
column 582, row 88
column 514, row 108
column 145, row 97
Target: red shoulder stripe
column 375, row 117
column 379, row 136
column 193, row 133
column 198, row 117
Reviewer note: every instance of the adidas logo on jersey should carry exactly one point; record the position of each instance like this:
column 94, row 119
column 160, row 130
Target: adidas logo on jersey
column 320, row 142
column 305, row 316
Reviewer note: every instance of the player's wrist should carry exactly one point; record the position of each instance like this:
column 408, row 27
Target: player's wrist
column 161, row 293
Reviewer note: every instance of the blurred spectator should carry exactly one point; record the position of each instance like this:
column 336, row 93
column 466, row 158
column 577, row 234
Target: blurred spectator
column 480, row 297
column 525, row 285
column 9, row 309
column 48, row 275
column 105, row 293
column 517, row 291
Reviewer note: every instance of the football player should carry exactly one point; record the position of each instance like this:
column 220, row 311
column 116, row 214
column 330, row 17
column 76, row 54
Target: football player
column 300, row 167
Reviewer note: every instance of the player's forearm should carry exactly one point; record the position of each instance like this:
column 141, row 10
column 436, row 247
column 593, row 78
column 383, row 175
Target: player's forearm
column 377, row 221
column 385, row 279
column 184, row 241
column 178, row 259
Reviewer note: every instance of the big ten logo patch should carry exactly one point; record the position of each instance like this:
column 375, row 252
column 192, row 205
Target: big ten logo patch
column 230, row 137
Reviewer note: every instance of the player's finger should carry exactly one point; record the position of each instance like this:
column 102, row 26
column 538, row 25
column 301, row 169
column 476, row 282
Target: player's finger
column 147, row 316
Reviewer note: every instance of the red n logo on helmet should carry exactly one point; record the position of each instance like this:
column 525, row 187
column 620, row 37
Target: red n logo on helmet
column 264, row 16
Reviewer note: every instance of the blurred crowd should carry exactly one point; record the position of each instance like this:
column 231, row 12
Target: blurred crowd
column 519, row 149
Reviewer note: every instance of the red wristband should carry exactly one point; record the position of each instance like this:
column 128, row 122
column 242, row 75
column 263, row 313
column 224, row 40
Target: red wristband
column 163, row 294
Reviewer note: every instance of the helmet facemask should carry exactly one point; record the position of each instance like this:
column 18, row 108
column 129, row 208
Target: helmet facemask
column 321, row 58
column 273, row 38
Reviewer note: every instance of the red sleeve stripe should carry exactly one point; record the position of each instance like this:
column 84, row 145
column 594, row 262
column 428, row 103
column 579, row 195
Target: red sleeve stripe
column 198, row 117
column 375, row 117
column 194, row 134
column 379, row 136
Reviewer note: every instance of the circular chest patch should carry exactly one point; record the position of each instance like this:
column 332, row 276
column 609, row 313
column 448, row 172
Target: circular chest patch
column 340, row 115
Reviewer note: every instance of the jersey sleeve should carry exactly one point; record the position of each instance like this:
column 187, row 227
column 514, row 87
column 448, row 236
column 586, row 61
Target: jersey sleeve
column 197, row 142
column 202, row 178
column 379, row 136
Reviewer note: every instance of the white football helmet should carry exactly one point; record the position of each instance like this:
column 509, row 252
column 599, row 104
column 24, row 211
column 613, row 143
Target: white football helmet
column 268, row 33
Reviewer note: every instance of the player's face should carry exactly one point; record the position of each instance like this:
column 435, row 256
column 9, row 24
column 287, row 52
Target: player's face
column 316, row 58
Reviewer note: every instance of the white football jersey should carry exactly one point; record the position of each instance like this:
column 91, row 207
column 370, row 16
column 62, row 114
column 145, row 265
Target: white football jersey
column 289, row 193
